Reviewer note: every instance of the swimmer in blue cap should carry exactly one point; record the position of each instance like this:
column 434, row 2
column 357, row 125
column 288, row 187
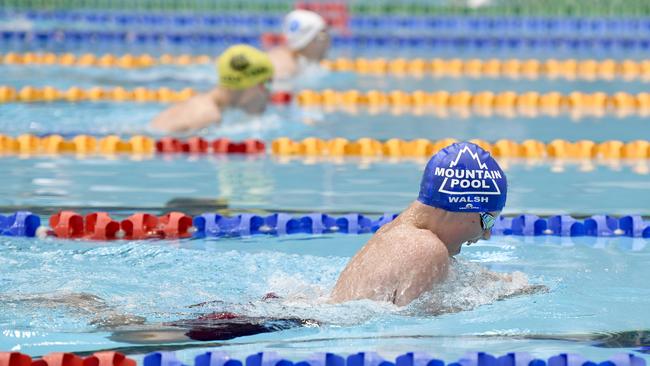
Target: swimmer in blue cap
column 462, row 192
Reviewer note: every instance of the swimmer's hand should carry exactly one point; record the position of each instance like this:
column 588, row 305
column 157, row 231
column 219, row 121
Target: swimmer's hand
column 526, row 289
column 531, row 289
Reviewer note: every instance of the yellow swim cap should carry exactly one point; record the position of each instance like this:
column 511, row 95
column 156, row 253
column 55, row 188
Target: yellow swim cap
column 243, row 66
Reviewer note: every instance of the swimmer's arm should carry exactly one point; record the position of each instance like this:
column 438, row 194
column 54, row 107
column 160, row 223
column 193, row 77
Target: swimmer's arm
column 497, row 276
column 197, row 112
column 525, row 289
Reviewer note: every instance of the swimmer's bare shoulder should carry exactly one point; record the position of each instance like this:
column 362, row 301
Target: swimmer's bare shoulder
column 284, row 62
column 405, row 261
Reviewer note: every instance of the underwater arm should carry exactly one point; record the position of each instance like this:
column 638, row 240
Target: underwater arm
column 80, row 304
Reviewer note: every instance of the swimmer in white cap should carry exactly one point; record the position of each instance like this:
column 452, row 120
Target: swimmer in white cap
column 462, row 192
column 307, row 42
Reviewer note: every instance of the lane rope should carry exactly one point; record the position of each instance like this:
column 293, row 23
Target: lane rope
column 28, row 144
column 588, row 69
column 175, row 225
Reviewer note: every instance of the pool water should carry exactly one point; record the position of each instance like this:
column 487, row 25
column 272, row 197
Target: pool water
column 59, row 295
column 596, row 287
column 102, row 118
column 371, row 186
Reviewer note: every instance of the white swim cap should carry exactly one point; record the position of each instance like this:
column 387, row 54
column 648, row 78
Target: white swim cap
column 301, row 26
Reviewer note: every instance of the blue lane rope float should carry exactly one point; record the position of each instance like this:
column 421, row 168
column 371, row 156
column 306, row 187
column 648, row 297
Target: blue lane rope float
column 214, row 225
column 511, row 42
column 21, row 223
column 24, row 223
column 586, row 26
column 221, row 358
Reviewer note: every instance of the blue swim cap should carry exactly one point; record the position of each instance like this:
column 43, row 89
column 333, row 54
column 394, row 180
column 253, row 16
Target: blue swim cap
column 463, row 178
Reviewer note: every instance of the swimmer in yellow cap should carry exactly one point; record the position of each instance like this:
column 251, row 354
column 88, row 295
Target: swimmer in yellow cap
column 244, row 73
column 307, row 42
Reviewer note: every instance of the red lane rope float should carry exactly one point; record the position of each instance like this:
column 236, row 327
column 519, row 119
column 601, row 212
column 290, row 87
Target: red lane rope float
column 100, row 226
column 219, row 146
column 107, row 358
column 139, row 145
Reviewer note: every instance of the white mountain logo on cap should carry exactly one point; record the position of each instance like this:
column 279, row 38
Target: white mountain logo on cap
column 472, row 154
column 469, row 181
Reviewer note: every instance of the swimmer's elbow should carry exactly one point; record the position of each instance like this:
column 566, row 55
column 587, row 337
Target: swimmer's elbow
column 195, row 113
column 402, row 300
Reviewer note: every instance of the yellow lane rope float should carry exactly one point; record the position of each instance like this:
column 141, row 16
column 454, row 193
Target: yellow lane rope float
column 466, row 99
column 28, row 144
column 128, row 61
column 29, row 94
column 513, row 68
column 583, row 149
column 395, row 98
column 475, row 68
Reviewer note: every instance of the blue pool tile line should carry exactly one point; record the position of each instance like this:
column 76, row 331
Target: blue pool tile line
column 529, row 25
column 476, row 42
column 26, row 224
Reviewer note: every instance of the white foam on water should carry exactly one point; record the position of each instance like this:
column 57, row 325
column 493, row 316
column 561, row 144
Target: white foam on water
column 470, row 285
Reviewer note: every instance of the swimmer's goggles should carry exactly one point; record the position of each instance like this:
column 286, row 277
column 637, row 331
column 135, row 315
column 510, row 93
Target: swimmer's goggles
column 487, row 221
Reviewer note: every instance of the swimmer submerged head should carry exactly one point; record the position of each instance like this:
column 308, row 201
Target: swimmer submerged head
column 306, row 32
column 463, row 179
column 246, row 72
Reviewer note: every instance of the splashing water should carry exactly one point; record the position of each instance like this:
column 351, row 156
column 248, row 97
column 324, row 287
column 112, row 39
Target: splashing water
column 302, row 284
column 470, row 285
